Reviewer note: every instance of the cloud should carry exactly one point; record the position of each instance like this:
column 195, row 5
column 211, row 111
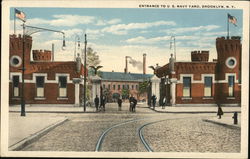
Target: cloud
column 143, row 40
column 191, row 29
column 102, row 22
column 121, row 29
column 69, row 20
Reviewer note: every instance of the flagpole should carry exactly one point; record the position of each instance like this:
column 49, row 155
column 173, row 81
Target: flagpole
column 227, row 26
column 15, row 22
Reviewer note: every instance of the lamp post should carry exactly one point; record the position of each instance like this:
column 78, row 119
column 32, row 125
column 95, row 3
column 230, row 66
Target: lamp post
column 77, row 38
column 173, row 38
column 29, row 32
column 85, row 73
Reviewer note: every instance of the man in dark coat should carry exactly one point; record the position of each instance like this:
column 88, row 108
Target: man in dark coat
column 119, row 101
column 220, row 112
column 131, row 99
column 154, row 101
column 134, row 104
column 103, row 102
column 96, row 102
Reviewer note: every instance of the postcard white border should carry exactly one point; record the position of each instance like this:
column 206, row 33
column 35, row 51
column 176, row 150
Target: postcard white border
column 7, row 4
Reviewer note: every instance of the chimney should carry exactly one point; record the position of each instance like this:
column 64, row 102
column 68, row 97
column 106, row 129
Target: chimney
column 126, row 64
column 53, row 51
column 144, row 63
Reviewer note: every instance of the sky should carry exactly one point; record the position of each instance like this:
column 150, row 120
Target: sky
column 118, row 32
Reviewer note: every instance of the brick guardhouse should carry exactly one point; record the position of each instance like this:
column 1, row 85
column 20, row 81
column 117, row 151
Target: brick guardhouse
column 47, row 82
column 201, row 82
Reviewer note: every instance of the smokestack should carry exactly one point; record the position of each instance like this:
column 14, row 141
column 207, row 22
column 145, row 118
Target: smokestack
column 52, row 50
column 126, row 64
column 144, row 63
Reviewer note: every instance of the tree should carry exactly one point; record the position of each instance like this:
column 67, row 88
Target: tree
column 107, row 93
column 92, row 59
column 125, row 93
column 143, row 87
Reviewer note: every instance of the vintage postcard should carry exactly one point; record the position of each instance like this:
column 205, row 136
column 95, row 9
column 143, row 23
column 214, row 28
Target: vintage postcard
column 125, row 79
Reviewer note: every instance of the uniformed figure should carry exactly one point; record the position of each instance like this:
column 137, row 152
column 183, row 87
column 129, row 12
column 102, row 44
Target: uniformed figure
column 134, row 104
column 119, row 101
column 131, row 103
column 220, row 112
column 154, row 100
column 103, row 100
column 96, row 102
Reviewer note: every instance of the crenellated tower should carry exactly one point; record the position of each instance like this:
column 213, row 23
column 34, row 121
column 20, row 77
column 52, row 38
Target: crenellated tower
column 16, row 50
column 228, row 69
column 200, row 56
column 228, row 53
column 41, row 55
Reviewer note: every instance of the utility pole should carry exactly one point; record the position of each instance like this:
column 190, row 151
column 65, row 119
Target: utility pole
column 85, row 74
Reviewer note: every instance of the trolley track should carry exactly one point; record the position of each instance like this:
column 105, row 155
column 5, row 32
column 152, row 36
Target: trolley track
column 139, row 130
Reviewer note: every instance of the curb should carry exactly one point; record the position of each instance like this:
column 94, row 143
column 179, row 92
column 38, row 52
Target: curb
column 191, row 112
column 222, row 124
column 28, row 140
column 13, row 111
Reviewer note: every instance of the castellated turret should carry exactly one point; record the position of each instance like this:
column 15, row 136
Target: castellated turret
column 228, row 53
column 41, row 55
column 16, row 50
column 200, row 56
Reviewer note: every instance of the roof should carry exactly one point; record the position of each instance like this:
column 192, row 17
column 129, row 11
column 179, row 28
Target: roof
column 52, row 66
column 121, row 76
column 187, row 67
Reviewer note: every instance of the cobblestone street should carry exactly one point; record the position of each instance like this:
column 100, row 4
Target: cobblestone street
column 170, row 133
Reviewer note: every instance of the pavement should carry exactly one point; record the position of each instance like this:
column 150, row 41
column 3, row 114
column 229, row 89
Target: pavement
column 41, row 119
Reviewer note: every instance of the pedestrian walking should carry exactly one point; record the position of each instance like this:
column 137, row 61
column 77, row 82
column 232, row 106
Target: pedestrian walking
column 96, row 102
column 119, row 101
column 131, row 99
column 134, row 104
column 104, row 100
column 164, row 103
column 220, row 112
column 154, row 101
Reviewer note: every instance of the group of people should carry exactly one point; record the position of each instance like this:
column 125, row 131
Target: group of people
column 102, row 102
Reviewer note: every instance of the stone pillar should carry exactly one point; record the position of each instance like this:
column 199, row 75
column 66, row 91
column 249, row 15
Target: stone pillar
column 77, row 81
column 96, row 87
column 156, row 88
column 173, row 82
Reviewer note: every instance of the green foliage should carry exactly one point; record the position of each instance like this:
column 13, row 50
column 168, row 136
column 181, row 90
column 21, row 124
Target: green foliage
column 125, row 93
column 107, row 93
column 143, row 87
column 92, row 57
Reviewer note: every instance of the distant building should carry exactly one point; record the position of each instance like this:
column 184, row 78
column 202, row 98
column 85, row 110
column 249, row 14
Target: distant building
column 115, row 82
column 203, row 82
column 46, row 81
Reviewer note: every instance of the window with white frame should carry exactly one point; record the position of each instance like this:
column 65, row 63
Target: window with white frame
column 230, row 86
column 15, row 86
column 208, row 86
column 62, row 86
column 40, row 86
column 186, row 86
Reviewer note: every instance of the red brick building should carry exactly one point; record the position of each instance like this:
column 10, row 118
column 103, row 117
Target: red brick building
column 115, row 82
column 46, row 81
column 203, row 82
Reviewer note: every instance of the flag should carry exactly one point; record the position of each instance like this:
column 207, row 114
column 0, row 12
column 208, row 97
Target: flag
column 232, row 19
column 20, row 15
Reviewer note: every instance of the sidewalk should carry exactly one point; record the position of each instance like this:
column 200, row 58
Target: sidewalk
column 226, row 119
column 52, row 109
column 188, row 109
column 23, row 130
